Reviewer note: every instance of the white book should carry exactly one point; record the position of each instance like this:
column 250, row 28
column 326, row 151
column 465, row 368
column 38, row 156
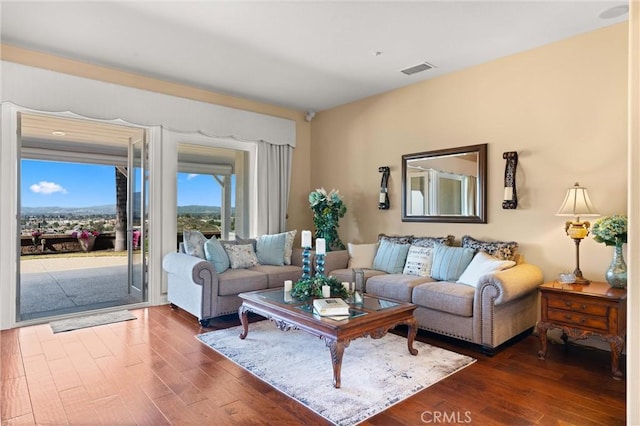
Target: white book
column 331, row 307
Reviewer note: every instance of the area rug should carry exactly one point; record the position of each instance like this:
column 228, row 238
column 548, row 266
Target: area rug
column 376, row 373
column 90, row 321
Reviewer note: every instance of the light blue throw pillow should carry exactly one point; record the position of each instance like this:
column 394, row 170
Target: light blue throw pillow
column 270, row 249
column 216, row 254
column 194, row 243
column 390, row 257
column 450, row 262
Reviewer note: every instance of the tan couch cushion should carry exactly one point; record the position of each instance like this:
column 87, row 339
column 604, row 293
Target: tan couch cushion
column 445, row 296
column 276, row 275
column 394, row 286
column 348, row 275
column 234, row 281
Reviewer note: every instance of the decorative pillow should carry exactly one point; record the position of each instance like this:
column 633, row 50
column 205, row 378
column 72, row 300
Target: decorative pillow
column 216, row 254
column 194, row 243
column 433, row 241
column 483, row 264
column 270, row 249
column 450, row 262
column 361, row 255
column 397, row 239
column 505, row 250
column 251, row 241
column 288, row 246
column 390, row 257
column 241, row 256
column 419, row 261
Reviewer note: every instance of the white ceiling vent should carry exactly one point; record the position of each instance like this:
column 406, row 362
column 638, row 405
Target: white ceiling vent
column 417, row 68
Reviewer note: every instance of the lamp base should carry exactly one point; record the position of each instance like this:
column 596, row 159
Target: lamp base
column 582, row 281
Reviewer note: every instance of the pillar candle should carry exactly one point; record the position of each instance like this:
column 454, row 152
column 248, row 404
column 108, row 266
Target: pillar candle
column 321, row 247
column 306, row 239
column 326, row 291
column 508, row 193
column 288, row 284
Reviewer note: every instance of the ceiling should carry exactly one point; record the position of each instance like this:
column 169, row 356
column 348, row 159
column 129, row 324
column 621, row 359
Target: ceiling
column 304, row 55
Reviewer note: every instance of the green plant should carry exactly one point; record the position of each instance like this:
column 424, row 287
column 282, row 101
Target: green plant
column 610, row 230
column 312, row 287
column 327, row 211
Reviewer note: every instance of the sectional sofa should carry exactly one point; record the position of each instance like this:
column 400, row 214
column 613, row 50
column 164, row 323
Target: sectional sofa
column 497, row 302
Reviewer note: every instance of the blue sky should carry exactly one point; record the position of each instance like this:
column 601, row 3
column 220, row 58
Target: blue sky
column 55, row 184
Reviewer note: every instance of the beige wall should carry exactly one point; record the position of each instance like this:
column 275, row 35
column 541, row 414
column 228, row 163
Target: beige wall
column 563, row 107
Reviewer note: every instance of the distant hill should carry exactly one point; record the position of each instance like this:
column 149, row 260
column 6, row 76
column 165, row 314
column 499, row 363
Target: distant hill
column 109, row 209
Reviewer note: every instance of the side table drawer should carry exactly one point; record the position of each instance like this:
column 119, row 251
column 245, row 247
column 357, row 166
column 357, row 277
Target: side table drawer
column 578, row 306
column 579, row 319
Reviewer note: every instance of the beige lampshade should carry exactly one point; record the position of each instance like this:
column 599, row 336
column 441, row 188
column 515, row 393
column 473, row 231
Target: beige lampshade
column 577, row 203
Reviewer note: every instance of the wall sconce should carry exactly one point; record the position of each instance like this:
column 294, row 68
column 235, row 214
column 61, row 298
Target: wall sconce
column 577, row 203
column 383, row 200
column 510, row 200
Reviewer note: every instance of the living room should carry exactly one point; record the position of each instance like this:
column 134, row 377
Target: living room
column 563, row 107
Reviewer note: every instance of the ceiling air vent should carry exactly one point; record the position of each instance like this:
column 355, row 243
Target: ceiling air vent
column 417, row 68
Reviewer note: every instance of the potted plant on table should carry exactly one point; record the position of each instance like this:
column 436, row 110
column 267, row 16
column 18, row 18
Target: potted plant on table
column 312, row 287
column 612, row 231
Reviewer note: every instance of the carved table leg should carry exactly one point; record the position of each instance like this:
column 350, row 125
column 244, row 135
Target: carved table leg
column 337, row 349
column 244, row 320
column 617, row 343
column 411, row 335
column 542, row 334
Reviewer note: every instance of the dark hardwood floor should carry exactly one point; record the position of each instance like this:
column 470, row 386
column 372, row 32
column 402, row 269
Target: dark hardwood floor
column 153, row 371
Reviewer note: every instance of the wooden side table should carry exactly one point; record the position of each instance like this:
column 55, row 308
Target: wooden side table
column 581, row 311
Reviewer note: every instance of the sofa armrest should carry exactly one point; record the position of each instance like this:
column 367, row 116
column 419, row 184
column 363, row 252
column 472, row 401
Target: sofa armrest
column 511, row 283
column 184, row 265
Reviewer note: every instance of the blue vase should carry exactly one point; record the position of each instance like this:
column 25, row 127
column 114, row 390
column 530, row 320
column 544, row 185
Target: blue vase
column 616, row 275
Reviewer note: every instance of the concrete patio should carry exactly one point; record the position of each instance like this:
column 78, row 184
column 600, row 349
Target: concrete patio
column 57, row 286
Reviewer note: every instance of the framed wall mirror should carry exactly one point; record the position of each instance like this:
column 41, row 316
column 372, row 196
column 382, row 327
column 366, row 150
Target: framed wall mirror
column 446, row 185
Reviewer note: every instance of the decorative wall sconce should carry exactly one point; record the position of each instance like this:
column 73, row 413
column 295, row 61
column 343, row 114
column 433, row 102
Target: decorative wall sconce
column 383, row 201
column 510, row 200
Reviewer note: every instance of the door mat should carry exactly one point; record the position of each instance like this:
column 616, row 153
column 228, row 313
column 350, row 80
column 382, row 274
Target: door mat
column 90, row 321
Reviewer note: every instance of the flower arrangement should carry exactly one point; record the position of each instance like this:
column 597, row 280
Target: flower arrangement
column 327, row 209
column 312, row 287
column 36, row 234
column 610, row 230
column 84, row 234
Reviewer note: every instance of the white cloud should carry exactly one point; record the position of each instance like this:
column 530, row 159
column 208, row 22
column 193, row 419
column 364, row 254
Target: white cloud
column 46, row 188
column 191, row 176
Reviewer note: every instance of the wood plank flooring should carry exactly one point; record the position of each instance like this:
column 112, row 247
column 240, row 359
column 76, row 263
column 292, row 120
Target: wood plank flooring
column 152, row 371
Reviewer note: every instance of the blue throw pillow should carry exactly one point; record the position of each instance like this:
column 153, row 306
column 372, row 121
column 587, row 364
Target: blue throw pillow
column 270, row 249
column 450, row 262
column 216, row 254
column 390, row 257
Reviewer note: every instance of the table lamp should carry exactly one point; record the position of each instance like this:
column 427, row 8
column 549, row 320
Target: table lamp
column 577, row 203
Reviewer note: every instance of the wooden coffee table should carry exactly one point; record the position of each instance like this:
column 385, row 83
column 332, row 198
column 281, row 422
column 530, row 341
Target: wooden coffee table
column 374, row 318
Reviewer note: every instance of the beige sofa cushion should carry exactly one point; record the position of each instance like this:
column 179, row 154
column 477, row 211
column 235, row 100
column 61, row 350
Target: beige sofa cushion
column 446, row 297
column 394, row 286
column 362, row 255
column 348, row 275
column 234, row 281
column 276, row 275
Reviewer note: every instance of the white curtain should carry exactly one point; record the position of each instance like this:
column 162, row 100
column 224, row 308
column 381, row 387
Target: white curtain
column 469, row 198
column 274, row 181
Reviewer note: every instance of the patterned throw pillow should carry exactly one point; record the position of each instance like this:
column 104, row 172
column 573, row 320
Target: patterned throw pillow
column 505, row 250
column 481, row 265
column 450, row 262
column 241, row 256
column 288, row 247
column 390, row 257
column 397, row 239
column 433, row 241
column 216, row 254
column 419, row 261
column 194, row 243
column 270, row 249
